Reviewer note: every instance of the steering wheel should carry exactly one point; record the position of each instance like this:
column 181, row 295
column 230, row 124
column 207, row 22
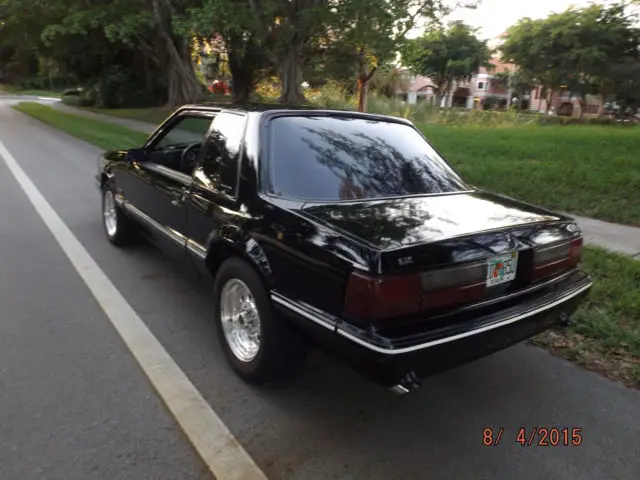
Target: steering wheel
column 189, row 158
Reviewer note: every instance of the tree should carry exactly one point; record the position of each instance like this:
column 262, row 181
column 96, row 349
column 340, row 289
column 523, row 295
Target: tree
column 119, row 44
column 243, row 46
column 388, row 80
column 573, row 50
column 369, row 32
column 516, row 82
column 284, row 28
column 375, row 30
column 21, row 23
column 176, row 50
column 625, row 79
column 447, row 55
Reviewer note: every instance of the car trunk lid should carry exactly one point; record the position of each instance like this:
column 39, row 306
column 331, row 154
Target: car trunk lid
column 438, row 251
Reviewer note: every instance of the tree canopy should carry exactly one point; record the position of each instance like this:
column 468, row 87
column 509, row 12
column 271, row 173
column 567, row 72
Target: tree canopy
column 576, row 50
column 129, row 52
column 447, row 55
column 148, row 45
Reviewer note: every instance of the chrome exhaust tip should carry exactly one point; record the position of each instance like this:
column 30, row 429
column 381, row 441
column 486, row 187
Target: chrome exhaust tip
column 400, row 390
column 408, row 384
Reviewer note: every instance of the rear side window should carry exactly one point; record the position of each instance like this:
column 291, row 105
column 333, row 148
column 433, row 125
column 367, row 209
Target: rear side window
column 222, row 152
column 332, row 158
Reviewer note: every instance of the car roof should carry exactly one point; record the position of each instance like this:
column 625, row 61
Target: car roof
column 279, row 109
column 246, row 107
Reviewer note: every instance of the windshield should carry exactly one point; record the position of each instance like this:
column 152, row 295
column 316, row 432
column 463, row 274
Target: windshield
column 338, row 158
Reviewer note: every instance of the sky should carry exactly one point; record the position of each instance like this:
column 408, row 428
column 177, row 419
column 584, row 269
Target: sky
column 493, row 17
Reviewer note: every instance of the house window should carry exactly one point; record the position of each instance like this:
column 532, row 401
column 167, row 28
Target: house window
column 480, row 85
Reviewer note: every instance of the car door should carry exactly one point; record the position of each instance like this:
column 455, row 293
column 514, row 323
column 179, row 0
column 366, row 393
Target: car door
column 159, row 184
column 213, row 203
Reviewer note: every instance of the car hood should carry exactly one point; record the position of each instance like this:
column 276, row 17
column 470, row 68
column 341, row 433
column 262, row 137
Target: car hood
column 402, row 222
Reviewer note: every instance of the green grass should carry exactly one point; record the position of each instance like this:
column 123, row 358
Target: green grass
column 102, row 134
column 149, row 115
column 606, row 336
column 588, row 170
column 35, row 92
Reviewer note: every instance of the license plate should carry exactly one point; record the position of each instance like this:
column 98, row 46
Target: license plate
column 501, row 268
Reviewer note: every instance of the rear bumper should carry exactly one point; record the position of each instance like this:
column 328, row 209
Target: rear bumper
column 389, row 360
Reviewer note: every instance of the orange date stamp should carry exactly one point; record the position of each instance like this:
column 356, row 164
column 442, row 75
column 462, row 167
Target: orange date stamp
column 534, row 436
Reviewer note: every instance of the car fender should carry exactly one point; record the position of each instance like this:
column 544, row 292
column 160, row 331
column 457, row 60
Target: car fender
column 229, row 240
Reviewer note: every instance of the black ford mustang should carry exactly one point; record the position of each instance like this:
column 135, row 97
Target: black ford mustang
column 343, row 229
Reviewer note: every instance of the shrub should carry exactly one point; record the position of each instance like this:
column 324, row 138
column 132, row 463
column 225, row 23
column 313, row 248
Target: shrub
column 121, row 87
column 77, row 100
column 332, row 96
column 268, row 90
column 72, row 91
column 560, row 120
column 491, row 102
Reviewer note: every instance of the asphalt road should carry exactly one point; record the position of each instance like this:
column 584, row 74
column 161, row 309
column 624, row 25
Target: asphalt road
column 74, row 404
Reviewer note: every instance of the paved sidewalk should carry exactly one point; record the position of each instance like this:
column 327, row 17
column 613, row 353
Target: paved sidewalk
column 125, row 122
column 618, row 238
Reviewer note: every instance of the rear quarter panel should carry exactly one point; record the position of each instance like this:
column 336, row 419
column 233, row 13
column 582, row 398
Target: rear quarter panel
column 303, row 266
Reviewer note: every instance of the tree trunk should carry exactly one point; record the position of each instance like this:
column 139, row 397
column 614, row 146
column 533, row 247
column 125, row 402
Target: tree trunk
column 246, row 58
column 601, row 106
column 288, row 63
column 550, row 101
column 363, row 88
column 242, row 78
column 183, row 85
column 583, row 103
column 241, row 90
column 290, row 72
column 540, row 98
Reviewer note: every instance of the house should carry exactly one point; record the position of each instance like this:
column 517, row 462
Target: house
column 563, row 103
column 469, row 94
column 475, row 92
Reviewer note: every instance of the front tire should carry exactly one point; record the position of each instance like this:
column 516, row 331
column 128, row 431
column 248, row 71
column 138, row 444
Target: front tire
column 116, row 225
column 258, row 345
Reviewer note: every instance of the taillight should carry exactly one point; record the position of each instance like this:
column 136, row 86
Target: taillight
column 374, row 298
column 576, row 251
column 556, row 258
column 371, row 298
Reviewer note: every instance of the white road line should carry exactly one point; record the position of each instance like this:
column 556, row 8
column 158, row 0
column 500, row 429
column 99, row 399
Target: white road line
column 217, row 446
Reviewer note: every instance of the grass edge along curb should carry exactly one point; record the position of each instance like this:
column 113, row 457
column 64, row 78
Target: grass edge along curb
column 105, row 135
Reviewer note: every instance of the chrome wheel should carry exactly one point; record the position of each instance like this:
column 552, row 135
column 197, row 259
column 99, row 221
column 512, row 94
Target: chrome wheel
column 110, row 214
column 240, row 320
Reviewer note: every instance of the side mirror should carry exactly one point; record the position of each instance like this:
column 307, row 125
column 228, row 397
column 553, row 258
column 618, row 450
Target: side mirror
column 136, row 155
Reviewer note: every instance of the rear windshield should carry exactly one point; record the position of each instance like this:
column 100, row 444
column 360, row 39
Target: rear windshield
column 337, row 158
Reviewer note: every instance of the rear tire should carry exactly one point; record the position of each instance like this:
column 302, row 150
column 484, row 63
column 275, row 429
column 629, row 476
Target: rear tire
column 117, row 225
column 258, row 345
